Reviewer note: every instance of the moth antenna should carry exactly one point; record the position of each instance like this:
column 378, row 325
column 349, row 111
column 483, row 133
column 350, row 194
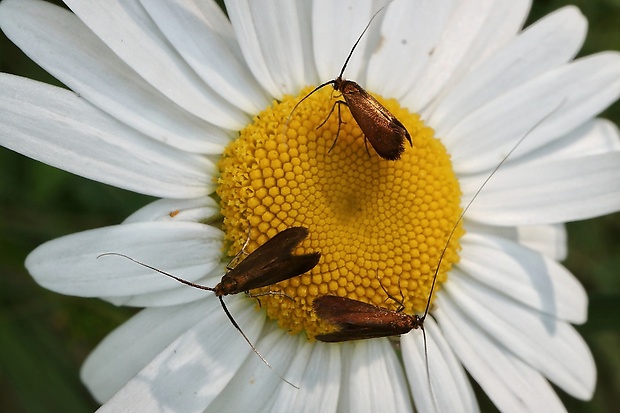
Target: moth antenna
column 232, row 320
column 471, row 201
column 181, row 280
column 458, row 221
column 322, row 85
column 346, row 62
column 428, row 370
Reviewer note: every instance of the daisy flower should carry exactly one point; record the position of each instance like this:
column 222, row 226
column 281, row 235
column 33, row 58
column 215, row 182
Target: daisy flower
column 175, row 100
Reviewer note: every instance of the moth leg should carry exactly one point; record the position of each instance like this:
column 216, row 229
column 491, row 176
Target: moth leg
column 337, row 103
column 257, row 296
column 400, row 302
column 235, row 260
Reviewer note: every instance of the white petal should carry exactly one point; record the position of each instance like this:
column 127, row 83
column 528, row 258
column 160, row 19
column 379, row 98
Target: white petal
column 474, row 30
column 256, row 379
column 550, row 346
column 410, row 30
column 203, row 209
column 276, row 42
column 336, row 27
column 510, row 384
column 373, row 378
column 451, row 388
column 69, row 265
column 55, row 126
column 130, row 347
column 194, row 34
column 542, row 110
column 66, row 48
column 550, row 240
column 595, row 137
column 502, row 23
column 316, row 367
column 129, row 31
column 194, row 369
column 550, row 42
column 524, row 275
column 554, row 192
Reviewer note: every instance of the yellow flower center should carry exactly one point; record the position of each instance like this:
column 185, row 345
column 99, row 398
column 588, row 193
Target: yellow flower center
column 379, row 225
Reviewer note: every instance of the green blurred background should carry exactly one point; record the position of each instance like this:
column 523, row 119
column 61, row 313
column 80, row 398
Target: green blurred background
column 44, row 336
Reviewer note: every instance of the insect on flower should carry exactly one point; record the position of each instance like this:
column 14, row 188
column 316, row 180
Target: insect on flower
column 270, row 263
column 356, row 320
column 386, row 133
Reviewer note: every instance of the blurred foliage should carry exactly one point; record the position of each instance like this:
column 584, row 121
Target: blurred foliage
column 44, row 336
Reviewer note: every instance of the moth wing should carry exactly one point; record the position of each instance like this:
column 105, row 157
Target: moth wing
column 283, row 243
column 357, row 320
column 273, row 261
column 279, row 270
column 383, row 130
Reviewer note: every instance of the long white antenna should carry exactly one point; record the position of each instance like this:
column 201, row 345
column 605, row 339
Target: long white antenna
column 458, row 221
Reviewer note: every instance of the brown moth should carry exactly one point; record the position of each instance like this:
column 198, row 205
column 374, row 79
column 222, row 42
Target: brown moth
column 270, row 263
column 357, row 320
column 386, row 133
